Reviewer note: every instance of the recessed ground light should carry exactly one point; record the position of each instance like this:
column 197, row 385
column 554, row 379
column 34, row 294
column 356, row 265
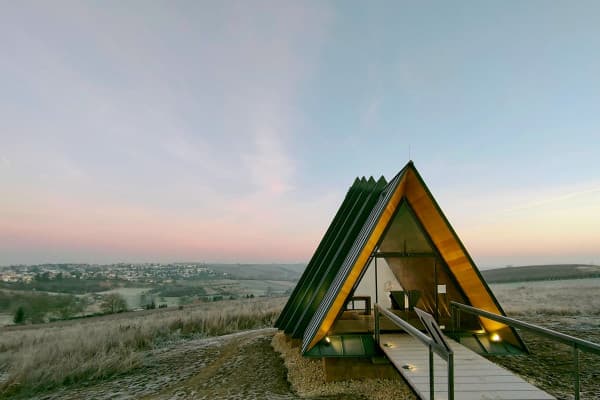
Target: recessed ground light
column 409, row 367
column 495, row 337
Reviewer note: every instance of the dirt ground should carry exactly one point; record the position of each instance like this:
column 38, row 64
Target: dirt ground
column 225, row 367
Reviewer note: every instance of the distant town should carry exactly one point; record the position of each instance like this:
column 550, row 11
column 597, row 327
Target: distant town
column 146, row 273
column 47, row 292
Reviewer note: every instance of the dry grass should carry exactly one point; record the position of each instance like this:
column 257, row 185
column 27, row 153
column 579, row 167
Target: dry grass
column 571, row 307
column 574, row 297
column 43, row 357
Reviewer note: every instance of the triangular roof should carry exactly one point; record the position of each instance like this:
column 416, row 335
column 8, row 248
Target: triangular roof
column 354, row 234
column 331, row 252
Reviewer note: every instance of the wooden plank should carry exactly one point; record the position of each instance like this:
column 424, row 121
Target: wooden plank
column 467, row 379
column 498, row 395
column 475, row 377
column 483, row 387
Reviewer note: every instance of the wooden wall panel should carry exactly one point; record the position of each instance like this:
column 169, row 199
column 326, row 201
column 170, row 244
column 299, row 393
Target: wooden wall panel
column 452, row 252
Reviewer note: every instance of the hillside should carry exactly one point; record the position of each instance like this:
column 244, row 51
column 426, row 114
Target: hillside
column 239, row 365
column 209, row 351
column 175, row 354
column 267, row 272
column 541, row 273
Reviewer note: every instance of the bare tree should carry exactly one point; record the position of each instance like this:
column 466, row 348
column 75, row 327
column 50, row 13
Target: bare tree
column 113, row 303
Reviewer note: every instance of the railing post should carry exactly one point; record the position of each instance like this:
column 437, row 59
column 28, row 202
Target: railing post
column 442, row 350
column 576, row 370
column 450, row 376
column 431, row 383
column 377, row 323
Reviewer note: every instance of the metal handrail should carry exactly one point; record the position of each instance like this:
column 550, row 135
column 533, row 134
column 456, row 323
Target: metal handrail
column 414, row 332
column 447, row 355
column 581, row 344
column 576, row 343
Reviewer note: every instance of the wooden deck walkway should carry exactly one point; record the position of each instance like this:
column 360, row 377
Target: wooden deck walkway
column 474, row 376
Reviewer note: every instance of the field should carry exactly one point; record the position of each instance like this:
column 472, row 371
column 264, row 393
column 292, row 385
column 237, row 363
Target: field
column 568, row 306
column 133, row 296
column 529, row 273
column 573, row 297
column 171, row 353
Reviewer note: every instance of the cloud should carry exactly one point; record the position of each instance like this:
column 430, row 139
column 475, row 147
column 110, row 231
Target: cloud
column 169, row 134
column 518, row 226
column 270, row 164
column 370, row 113
column 553, row 200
